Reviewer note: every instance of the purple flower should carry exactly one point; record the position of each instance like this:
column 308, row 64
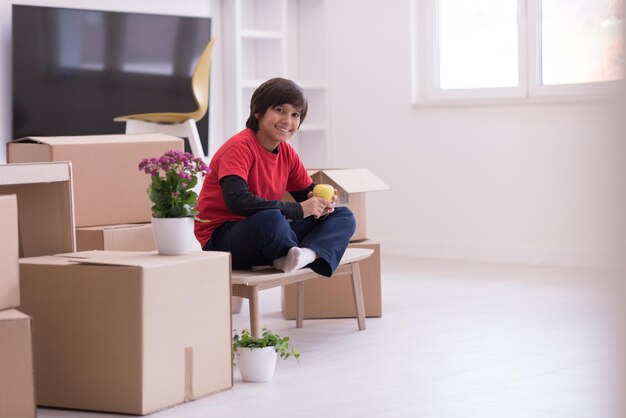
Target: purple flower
column 186, row 168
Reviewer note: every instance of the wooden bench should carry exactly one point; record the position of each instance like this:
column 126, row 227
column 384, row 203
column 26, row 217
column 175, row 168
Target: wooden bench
column 248, row 283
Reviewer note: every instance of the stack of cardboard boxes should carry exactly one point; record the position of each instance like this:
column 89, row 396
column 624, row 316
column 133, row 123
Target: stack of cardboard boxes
column 36, row 206
column 116, row 331
column 112, row 210
column 17, row 396
column 333, row 298
column 124, row 331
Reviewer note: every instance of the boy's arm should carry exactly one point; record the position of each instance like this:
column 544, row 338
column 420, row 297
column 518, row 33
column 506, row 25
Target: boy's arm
column 240, row 201
column 302, row 195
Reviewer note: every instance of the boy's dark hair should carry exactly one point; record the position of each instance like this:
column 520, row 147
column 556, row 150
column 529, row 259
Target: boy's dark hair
column 275, row 92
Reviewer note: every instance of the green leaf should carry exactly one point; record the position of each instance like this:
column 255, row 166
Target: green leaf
column 267, row 339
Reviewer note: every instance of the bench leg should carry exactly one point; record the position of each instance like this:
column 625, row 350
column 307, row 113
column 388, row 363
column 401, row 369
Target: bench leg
column 300, row 304
column 253, row 304
column 357, row 290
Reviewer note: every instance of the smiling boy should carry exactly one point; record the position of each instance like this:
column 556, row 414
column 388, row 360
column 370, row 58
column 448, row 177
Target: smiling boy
column 241, row 196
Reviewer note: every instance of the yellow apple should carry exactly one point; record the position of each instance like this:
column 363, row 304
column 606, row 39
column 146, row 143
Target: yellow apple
column 324, row 190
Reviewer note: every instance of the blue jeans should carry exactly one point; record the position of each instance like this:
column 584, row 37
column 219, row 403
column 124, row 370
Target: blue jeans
column 267, row 235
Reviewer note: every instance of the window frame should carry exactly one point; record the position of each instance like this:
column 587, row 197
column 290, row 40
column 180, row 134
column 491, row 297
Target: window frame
column 424, row 65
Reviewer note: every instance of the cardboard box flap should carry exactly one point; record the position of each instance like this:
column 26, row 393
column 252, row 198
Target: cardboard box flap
column 46, row 260
column 45, row 204
column 356, row 180
column 144, row 259
column 89, row 255
column 94, row 139
column 95, row 257
column 12, row 315
column 113, row 227
column 29, row 173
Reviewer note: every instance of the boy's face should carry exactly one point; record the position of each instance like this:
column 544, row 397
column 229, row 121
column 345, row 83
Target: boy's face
column 278, row 124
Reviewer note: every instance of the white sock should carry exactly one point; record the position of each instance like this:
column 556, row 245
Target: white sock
column 295, row 259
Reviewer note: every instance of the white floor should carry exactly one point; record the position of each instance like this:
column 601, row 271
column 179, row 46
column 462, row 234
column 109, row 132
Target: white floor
column 456, row 340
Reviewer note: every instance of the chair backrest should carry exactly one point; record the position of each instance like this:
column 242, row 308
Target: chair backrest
column 200, row 81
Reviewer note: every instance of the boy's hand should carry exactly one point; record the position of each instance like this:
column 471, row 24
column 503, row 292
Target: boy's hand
column 317, row 206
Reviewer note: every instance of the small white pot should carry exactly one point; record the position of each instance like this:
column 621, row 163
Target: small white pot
column 173, row 236
column 256, row 364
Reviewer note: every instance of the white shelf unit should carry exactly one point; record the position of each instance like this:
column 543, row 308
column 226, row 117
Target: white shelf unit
column 278, row 38
column 307, row 64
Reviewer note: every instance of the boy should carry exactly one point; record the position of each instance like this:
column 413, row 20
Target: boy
column 241, row 196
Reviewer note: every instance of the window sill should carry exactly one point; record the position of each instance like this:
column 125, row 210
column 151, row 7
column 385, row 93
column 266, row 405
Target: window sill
column 518, row 101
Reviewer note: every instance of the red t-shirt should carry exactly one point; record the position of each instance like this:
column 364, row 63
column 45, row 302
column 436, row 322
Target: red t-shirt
column 268, row 175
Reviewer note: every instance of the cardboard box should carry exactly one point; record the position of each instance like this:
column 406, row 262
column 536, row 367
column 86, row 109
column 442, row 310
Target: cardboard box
column 109, row 189
column 128, row 332
column 17, row 394
column 9, row 253
column 125, row 237
column 44, row 204
column 351, row 185
column 333, row 298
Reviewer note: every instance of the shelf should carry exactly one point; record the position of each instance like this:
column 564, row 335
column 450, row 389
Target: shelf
column 306, row 85
column 279, row 38
column 312, row 127
column 312, row 85
column 265, row 16
column 251, row 84
column 261, row 34
column 261, row 58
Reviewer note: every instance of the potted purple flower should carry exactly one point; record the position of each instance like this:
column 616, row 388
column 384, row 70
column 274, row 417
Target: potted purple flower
column 174, row 177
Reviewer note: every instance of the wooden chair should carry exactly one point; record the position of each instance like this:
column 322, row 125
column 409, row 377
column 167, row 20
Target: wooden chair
column 179, row 124
column 248, row 283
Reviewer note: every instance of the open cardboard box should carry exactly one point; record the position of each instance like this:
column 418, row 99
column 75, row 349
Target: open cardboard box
column 109, row 189
column 44, row 205
column 9, row 253
column 17, row 392
column 128, row 332
column 352, row 185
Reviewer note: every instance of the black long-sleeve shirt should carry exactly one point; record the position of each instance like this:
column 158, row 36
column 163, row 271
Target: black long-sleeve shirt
column 240, row 201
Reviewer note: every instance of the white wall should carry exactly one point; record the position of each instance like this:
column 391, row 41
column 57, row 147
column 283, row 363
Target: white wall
column 517, row 183
column 203, row 8
column 521, row 183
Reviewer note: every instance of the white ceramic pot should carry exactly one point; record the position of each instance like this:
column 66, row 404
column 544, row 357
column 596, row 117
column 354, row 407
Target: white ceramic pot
column 173, row 236
column 256, row 364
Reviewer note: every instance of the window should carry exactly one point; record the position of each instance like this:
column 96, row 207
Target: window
column 477, row 43
column 503, row 49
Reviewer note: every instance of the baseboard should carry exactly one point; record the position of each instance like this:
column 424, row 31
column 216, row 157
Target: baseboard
column 498, row 254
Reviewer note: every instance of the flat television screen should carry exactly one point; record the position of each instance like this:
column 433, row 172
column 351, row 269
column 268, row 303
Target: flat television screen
column 75, row 70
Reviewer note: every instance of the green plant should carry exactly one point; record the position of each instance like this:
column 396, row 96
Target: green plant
column 267, row 339
column 174, row 175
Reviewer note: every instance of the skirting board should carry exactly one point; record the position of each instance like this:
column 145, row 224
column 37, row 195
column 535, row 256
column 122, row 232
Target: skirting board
column 499, row 254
